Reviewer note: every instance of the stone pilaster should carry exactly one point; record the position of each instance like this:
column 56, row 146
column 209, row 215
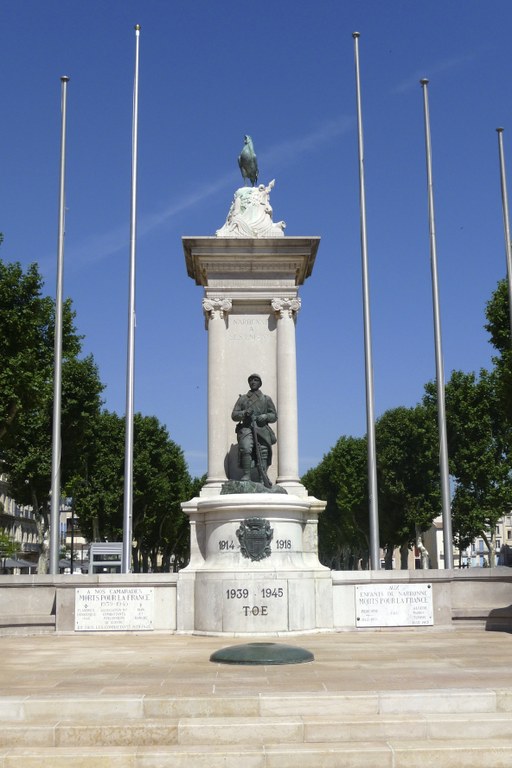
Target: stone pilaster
column 286, row 310
column 215, row 311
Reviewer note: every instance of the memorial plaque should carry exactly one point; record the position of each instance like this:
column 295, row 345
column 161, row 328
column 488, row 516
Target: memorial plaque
column 114, row 609
column 394, row 605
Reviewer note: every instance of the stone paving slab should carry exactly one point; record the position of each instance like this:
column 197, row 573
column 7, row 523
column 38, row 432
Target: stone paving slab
column 162, row 664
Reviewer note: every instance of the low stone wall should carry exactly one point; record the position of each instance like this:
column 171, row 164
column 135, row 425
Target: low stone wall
column 483, row 597
column 36, row 604
column 463, row 597
column 27, row 604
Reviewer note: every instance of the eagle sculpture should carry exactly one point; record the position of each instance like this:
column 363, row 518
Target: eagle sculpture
column 247, row 161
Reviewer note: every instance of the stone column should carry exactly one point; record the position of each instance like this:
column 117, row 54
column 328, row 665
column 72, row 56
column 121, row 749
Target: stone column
column 215, row 310
column 288, row 440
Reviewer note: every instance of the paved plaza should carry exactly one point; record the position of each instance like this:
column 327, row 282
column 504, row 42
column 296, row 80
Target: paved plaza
column 370, row 699
column 162, row 664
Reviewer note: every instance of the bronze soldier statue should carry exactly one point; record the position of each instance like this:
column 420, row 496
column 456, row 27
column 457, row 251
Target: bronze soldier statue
column 254, row 412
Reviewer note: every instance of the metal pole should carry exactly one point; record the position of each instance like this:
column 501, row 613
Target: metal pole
column 370, row 410
column 57, row 374
column 441, row 411
column 506, row 224
column 72, row 538
column 128, row 455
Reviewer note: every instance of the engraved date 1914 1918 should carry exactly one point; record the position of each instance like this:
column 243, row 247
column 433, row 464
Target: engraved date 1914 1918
column 227, row 544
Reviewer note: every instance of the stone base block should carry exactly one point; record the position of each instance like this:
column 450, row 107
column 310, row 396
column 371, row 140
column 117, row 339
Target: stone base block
column 265, row 602
column 254, row 567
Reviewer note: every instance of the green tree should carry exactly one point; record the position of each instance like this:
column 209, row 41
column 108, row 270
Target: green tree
column 479, row 439
column 408, row 477
column 408, row 481
column 26, row 342
column 28, row 455
column 341, row 480
column 498, row 318
column 8, row 547
column 498, row 327
column 160, row 483
column 98, row 496
column 27, row 321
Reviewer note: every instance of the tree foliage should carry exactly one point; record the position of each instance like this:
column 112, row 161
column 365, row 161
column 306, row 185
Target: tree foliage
column 92, row 461
column 160, row 483
column 479, row 440
column 498, row 327
column 479, row 421
column 27, row 321
column 26, row 341
column 407, row 485
column 8, row 546
column 479, row 425
column 498, row 318
column 341, row 480
column 408, row 475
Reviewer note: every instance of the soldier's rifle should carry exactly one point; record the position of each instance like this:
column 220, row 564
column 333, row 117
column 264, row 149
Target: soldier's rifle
column 257, row 449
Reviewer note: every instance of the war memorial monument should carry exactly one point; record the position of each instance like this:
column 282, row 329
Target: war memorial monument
column 254, row 567
column 254, row 564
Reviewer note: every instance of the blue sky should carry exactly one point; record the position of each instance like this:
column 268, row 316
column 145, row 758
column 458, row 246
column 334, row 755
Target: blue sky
column 283, row 72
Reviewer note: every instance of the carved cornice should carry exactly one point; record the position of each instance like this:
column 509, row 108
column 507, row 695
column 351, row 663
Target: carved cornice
column 290, row 258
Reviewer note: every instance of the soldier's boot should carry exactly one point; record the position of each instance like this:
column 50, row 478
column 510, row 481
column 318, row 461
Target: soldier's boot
column 245, row 462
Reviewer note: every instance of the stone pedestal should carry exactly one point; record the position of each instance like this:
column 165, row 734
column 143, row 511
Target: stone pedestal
column 224, row 590
column 250, row 306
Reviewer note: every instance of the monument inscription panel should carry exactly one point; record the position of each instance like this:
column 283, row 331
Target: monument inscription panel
column 249, row 604
column 114, row 609
column 394, row 605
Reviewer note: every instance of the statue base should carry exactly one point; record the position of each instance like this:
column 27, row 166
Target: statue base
column 254, row 567
column 249, row 486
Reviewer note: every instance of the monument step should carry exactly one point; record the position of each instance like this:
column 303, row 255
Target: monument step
column 263, row 731
column 391, row 754
column 97, row 708
column 21, row 624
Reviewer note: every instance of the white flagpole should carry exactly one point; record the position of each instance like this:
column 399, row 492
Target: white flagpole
column 370, row 410
column 506, row 224
column 441, row 410
column 128, row 456
column 57, row 375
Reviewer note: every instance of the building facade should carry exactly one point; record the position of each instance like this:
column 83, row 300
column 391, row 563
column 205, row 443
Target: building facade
column 477, row 555
column 19, row 525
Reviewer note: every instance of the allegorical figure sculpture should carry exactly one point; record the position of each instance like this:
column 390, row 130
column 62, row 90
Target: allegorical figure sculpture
column 254, row 412
column 250, row 214
column 247, row 161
